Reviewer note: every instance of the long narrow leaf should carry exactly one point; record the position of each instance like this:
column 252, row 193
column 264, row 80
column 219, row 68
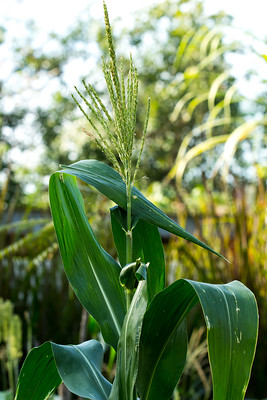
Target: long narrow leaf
column 231, row 317
column 147, row 245
column 162, row 358
column 93, row 273
column 152, row 249
column 127, row 355
column 110, row 183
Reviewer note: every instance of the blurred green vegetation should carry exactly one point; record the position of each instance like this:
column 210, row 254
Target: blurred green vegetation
column 205, row 159
column 10, row 345
column 233, row 221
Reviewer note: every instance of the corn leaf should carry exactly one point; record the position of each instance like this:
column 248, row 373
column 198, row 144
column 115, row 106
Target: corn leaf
column 151, row 251
column 79, row 367
column 119, row 228
column 231, row 317
column 127, row 355
column 110, row 183
column 38, row 376
column 147, row 245
column 93, row 273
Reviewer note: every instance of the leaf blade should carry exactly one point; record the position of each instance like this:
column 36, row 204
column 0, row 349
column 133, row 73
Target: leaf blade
column 160, row 365
column 147, row 245
column 231, row 354
column 38, row 376
column 127, row 355
column 110, row 183
column 153, row 253
column 238, row 305
column 80, row 369
column 93, row 273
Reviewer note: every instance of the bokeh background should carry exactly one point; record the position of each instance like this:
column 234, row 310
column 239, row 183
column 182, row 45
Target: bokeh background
column 204, row 65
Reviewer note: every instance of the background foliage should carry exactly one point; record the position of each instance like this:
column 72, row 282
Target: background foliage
column 205, row 159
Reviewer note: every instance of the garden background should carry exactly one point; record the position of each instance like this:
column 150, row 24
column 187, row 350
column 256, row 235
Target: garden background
column 204, row 164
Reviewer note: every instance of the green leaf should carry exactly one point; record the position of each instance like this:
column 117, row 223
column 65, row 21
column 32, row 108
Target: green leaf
column 128, row 275
column 110, row 183
column 163, row 343
column 79, row 367
column 92, row 272
column 231, row 316
column 141, row 273
column 147, row 245
column 118, row 224
column 38, row 376
column 127, row 354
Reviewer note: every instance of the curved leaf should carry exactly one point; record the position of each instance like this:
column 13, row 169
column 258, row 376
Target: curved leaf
column 163, row 343
column 38, row 376
column 92, row 272
column 232, row 322
column 231, row 317
column 79, row 367
column 110, row 183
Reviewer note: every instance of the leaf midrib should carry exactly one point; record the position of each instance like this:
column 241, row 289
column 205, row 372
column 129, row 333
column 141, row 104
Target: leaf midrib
column 91, row 368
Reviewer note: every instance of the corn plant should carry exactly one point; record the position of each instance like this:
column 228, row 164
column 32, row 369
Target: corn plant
column 139, row 317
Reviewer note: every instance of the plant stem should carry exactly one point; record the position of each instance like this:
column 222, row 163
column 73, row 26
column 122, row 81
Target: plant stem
column 129, row 231
column 128, row 238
